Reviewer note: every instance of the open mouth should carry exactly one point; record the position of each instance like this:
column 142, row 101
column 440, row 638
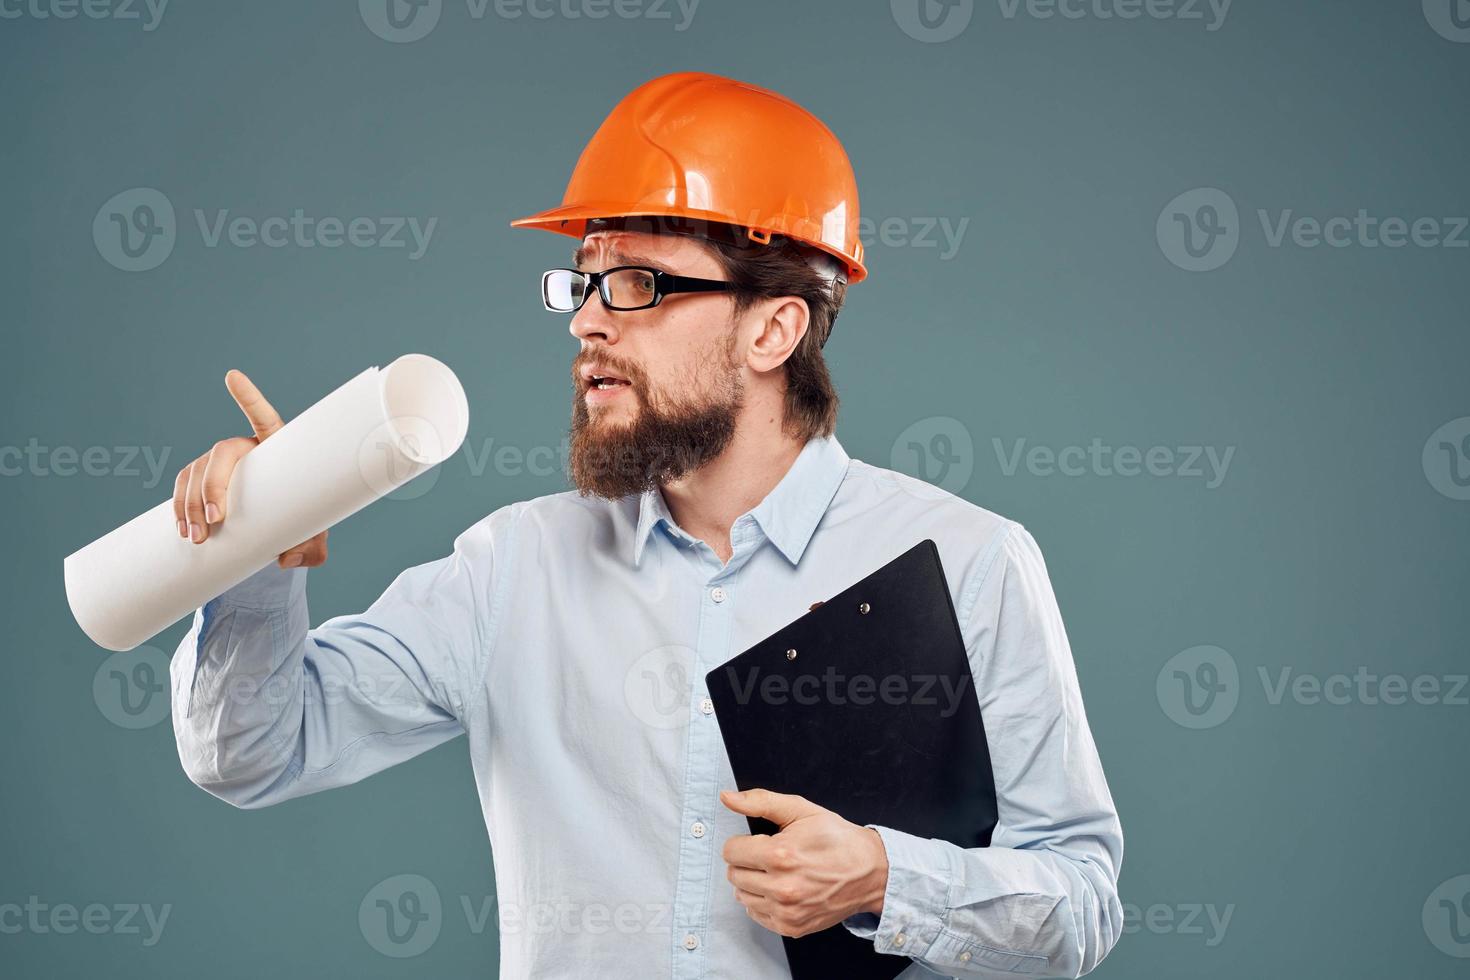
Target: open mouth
column 603, row 382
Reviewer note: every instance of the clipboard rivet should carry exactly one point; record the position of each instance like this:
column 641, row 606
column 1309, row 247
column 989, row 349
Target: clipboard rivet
column 864, row 608
column 791, row 654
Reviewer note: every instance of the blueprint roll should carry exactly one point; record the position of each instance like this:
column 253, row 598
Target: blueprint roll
column 361, row 442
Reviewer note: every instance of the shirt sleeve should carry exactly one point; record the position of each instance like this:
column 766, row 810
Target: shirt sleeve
column 266, row 708
column 1043, row 898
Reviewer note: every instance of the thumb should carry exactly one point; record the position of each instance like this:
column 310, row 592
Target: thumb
column 779, row 808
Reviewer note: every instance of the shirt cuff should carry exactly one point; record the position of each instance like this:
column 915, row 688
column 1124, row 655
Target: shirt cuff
column 915, row 899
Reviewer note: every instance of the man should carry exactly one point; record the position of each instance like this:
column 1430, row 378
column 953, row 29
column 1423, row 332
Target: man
column 566, row 635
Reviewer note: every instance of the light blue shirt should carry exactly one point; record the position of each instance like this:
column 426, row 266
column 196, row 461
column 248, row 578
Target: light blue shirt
column 568, row 638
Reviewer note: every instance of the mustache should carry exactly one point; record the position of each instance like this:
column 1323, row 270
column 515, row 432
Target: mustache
column 615, row 365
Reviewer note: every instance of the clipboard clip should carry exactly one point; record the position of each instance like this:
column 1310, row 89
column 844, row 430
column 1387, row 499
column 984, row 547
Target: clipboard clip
column 863, row 607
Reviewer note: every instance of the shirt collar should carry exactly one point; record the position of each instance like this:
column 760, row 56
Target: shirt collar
column 788, row 515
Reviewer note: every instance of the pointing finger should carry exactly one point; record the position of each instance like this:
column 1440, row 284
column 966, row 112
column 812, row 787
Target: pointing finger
column 263, row 418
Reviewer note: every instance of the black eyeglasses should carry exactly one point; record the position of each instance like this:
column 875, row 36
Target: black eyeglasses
column 626, row 287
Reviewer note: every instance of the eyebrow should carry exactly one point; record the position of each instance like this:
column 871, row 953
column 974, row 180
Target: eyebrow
column 618, row 256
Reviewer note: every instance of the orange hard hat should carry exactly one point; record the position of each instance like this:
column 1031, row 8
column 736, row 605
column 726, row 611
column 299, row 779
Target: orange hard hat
column 697, row 146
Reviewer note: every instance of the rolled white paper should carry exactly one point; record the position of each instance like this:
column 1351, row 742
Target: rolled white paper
column 362, row 441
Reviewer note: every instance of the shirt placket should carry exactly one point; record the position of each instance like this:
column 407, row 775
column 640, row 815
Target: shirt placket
column 697, row 844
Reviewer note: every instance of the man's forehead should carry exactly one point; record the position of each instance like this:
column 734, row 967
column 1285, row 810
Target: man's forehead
column 629, row 247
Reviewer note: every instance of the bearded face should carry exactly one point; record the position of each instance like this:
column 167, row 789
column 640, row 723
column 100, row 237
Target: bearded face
column 632, row 431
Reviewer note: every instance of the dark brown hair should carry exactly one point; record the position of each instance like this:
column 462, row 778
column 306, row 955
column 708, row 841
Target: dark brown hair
column 783, row 267
column 766, row 271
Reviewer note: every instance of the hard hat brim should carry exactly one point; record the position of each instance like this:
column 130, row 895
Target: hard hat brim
column 571, row 220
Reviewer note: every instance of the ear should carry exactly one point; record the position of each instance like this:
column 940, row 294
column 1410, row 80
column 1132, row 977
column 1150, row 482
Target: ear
column 781, row 322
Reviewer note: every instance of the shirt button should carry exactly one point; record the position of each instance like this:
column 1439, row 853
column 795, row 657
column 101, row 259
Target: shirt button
column 697, row 830
column 964, row 957
column 690, row 940
column 707, row 706
column 900, row 939
column 717, row 594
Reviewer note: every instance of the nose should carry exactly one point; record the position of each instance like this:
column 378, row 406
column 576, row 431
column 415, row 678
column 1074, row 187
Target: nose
column 594, row 321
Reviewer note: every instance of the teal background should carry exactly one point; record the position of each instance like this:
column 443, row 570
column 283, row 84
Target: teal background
column 1326, row 548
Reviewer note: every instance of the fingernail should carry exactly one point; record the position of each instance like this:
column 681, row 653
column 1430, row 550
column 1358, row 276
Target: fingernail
column 211, row 512
column 196, row 533
column 292, row 560
column 183, row 529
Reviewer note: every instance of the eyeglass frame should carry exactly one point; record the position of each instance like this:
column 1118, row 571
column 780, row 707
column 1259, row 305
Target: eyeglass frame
column 664, row 284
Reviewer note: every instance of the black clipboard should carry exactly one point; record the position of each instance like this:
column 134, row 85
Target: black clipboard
column 913, row 757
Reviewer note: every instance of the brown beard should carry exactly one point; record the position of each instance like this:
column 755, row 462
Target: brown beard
column 613, row 460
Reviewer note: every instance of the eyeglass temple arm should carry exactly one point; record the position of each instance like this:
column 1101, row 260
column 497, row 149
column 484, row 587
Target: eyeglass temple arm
column 690, row 284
